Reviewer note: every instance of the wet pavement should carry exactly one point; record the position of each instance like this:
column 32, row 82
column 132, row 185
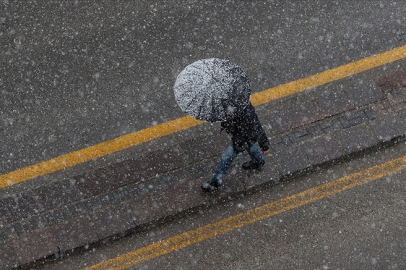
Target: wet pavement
column 67, row 100
column 307, row 130
column 356, row 228
column 74, row 74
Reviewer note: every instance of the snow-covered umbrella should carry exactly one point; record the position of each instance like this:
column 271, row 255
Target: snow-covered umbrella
column 212, row 90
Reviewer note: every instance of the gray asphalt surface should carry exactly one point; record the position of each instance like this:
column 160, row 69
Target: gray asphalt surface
column 76, row 73
column 361, row 228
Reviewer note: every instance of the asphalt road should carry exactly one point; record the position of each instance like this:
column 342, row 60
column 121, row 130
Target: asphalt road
column 76, row 73
column 360, row 228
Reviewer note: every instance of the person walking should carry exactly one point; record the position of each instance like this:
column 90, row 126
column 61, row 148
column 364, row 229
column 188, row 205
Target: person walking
column 218, row 90
column 245, row 130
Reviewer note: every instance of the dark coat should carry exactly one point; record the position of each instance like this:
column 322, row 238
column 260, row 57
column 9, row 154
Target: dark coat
column 245, row 130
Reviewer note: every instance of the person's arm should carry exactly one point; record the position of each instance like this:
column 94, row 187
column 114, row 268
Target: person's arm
column 259, row 131
column 263, row 140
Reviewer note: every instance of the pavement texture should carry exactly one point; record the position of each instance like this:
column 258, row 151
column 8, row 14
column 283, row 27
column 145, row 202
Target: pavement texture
column 306, row 131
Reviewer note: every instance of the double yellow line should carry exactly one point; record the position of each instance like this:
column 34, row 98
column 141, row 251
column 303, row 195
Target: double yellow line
column 266, row 211
column 151, row 133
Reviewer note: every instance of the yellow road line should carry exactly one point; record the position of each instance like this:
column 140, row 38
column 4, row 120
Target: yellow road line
column 151, row 133
column 96, row 151
column 328, row 76
column 266, row 211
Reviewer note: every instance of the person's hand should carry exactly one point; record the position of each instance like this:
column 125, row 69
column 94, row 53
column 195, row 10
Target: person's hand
column 265, row 152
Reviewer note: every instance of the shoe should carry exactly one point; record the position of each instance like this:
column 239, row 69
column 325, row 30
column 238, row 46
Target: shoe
column 249, row 165
column 211, row 185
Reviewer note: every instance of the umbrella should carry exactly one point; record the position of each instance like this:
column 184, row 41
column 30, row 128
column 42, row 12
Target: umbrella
column 212, row 90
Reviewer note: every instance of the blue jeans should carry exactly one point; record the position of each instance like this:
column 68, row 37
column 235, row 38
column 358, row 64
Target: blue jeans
column 229, row 155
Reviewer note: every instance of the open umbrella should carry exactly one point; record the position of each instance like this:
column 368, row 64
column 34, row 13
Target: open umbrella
column 212, row 90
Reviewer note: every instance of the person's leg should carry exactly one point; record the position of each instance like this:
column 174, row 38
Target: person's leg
column 255, row 154
column 257, row 160
column 225, row 162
